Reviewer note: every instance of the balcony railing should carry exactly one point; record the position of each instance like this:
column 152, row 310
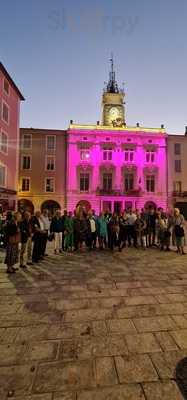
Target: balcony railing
column 177, row 193
column 110, row 192
column 114, row 192
column 133, row 192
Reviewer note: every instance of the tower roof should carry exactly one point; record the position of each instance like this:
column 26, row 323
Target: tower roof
column 112, row 86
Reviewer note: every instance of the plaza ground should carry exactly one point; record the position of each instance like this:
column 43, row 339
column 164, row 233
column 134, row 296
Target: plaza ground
column 94, row 326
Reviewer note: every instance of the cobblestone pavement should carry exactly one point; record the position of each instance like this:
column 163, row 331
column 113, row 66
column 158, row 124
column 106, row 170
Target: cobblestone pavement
column 94, row 326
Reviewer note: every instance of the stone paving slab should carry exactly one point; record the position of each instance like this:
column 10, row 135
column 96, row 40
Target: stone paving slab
column 102, row 327
column 135, row 368
column 63, row 376
column 162, row 391
column 123, row 392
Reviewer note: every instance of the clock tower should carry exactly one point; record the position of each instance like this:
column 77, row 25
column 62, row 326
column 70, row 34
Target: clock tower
column 113, row 111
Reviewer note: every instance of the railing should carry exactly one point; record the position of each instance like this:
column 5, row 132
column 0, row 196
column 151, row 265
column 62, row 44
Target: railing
column 133, row 192
column 177, row 193
column 114, row 192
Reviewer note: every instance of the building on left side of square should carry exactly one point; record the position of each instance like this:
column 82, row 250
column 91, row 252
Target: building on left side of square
column 42, row 170
column 10, row 99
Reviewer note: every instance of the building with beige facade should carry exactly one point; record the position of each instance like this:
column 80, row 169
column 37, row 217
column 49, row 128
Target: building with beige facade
column 177, row 171
column 42, row 166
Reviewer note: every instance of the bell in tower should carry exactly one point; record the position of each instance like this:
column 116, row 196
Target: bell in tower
column 113, row 101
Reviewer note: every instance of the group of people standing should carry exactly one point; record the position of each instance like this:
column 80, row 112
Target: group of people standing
column 27, row 235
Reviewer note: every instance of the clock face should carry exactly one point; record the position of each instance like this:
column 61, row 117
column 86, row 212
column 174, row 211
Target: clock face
column 114, row 113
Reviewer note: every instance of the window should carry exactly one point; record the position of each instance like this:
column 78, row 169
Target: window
column 129, row 182
column 85, row 155
column 84, row 182
column 128, row 204
column 129, row 155
column 50, row 163
column 150, row 156
column 5, row 113
column 49, row 185
column 51, row 142
column 107, row 182
column 6, row 87
column 107, row 154
column 177, row 149
column 2, row 175
column 25, row 186
column 177, row 186
column 4, row 143
column 177, row 165
column 27, row 141
column 107, row 206
column 150, row 183
column 26, row 162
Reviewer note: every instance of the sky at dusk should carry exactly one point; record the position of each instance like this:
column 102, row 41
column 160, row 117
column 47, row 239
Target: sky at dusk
column 57, row 52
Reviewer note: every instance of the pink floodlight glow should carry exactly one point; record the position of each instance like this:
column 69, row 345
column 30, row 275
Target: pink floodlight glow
column 132, row 181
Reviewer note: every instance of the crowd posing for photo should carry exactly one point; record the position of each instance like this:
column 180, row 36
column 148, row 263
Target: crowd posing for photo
column 27, row 235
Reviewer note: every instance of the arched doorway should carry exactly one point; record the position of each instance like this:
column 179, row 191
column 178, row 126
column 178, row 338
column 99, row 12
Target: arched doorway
column 150, row 204
column 182, row 207
column 84, row 204
column 25, row 205
column 51, row 206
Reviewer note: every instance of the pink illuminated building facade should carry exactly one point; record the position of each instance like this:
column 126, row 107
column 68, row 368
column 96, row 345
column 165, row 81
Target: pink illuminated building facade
column 111, row 166
column 10, row 98
column 116, row 168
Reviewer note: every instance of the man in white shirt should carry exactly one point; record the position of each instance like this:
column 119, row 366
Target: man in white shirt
column 91, row 231
column 44, row 226
column 131, row 232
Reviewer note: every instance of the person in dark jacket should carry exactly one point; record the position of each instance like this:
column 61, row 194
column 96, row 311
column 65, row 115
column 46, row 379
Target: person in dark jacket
column 37, row 229
column 80, row 228
column 123, row 230
column 64, row 217
column 57, row 227
column 113, row 230
column 151, row 227
column 25, row 230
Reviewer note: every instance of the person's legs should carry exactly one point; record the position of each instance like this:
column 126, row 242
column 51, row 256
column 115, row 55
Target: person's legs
column 60, row 235
column 55, row 242
column 182, row 245
column 36, row 247
column 93, row 244
column 10, row 259
column 143, row 241
column 29, row 251
column 71, row 240
column 44, row 243
column 23, row 255
column 129, row 235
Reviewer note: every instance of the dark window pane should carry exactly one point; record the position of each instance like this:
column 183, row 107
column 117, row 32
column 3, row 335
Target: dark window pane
column 177, row 165
column 177, row 148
